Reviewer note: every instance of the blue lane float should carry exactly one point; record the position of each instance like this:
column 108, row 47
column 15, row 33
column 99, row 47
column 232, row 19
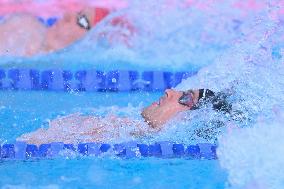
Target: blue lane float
column 89, row 80
column 23, row 151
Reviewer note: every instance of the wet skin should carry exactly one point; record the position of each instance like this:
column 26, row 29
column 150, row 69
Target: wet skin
column 158, row 113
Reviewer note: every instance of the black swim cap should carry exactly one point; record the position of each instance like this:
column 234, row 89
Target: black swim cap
column 218, row 101
column 205, row 94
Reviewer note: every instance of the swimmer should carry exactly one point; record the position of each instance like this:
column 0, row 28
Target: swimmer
column 24, row 35
column 72, row 27
column 76, row 128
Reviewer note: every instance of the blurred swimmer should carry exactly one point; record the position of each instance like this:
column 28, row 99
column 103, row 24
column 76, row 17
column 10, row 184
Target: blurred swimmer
column 24, row 34
column 72, row 27
column 77, row 128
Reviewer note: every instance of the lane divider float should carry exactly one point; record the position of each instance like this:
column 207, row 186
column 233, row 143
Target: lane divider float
column 89, row 80
column 132, row 149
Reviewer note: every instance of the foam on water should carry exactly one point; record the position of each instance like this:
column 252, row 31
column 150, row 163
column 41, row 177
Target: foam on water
column 252, row 73
column 247, row 73
column 253, row 156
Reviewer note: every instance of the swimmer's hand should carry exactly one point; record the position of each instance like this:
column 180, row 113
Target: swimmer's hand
column 142, row 130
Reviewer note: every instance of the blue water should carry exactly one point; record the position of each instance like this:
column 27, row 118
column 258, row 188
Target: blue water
column 113, row 173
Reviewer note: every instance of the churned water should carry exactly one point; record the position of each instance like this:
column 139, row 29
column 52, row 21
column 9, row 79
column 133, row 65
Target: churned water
column 251, row 72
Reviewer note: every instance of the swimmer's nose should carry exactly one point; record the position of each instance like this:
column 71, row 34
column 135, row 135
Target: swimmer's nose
column 169, row 92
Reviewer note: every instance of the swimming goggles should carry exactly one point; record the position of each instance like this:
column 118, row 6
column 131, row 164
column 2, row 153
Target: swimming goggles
column 186, row 99
column 83, row 21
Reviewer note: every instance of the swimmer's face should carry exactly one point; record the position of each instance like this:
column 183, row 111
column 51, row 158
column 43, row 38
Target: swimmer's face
column 158, row 113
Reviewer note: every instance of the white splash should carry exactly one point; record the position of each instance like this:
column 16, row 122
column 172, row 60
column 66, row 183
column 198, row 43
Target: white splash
column 253, row 156
column 252, row 153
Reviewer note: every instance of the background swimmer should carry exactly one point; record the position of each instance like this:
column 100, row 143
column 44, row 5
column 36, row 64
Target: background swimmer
column 24, row 35
column 77, row 128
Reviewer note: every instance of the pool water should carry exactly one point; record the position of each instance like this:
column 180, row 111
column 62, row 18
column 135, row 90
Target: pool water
column 113, row 173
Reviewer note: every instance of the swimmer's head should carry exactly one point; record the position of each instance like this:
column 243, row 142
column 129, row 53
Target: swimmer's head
column 174, row 102
column 168, row 106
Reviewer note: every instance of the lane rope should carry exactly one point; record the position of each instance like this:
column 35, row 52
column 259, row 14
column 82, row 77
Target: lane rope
column 89, row 80
column 132, row 149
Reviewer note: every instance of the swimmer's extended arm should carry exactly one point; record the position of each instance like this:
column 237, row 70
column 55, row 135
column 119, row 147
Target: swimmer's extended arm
column 75, row 127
